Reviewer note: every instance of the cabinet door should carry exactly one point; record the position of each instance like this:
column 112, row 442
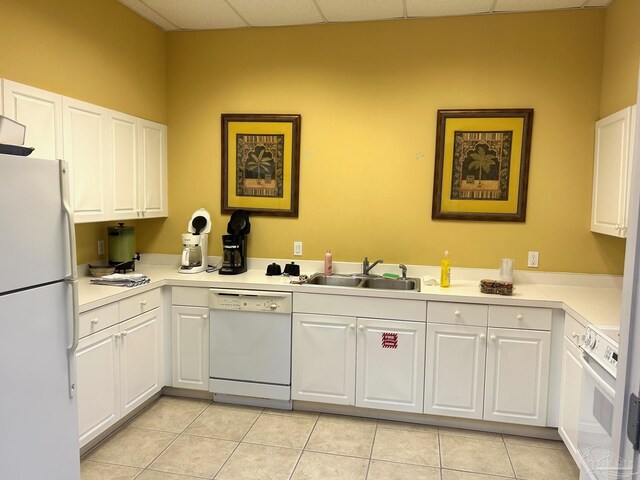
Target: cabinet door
column 190, row 347
column 517, row 376
column 122, row 157
column 612, row 172
column 390, row 373
column 455, row 370
column 41, row 112
column 152, row 168
column 324, row 359
column 570, row 398
column 140, row 366
column 85, row 131
column 98, row 383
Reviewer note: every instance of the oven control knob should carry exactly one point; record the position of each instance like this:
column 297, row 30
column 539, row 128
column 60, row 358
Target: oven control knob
column 590, row 340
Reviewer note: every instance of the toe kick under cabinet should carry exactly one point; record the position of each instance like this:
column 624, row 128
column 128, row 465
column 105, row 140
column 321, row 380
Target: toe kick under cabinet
column 367, row 352
column 488, row 362
column 118, row 361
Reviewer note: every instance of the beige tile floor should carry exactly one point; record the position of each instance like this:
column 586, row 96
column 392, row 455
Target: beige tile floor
column 182, row 439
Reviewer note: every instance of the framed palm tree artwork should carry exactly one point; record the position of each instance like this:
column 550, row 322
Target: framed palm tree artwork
column 261, row 163
column 482, row 164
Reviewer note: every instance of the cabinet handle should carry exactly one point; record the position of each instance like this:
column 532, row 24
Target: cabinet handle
column 617, row 227
column 124, row 334
column 623, row 230
column 204, row 317
column 352, row 326
column 519, row 317
column 482, row 336
column 94, row 321
column 457, row 313
column 361, row 328
column 117, row 335
column 143, row 303
column 493, row 338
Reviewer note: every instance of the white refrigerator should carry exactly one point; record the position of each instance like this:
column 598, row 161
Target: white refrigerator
column 38, row 322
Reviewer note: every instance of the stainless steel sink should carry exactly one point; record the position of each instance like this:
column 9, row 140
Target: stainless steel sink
column 392, row 284
column 334, row 280
column 360, row 281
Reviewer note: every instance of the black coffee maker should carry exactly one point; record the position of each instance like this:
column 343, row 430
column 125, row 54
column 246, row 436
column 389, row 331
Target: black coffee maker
column 234, row 245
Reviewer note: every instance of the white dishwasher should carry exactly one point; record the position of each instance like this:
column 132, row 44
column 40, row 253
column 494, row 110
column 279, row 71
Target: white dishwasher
column 250, row 340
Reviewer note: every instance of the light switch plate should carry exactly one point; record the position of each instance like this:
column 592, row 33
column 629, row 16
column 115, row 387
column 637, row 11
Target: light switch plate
column 297, row 249
column 100, row 248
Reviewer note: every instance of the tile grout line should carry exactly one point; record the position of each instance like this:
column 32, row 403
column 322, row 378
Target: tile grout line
column 172, row 441
column 304, row 447
column 236, row 447
column 508, row 456
column 375, row 434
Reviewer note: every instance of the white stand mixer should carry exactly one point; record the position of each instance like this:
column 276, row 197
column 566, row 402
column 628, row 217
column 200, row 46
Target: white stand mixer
column 195, row 243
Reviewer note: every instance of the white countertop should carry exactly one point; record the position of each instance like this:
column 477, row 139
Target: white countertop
column 599, row 306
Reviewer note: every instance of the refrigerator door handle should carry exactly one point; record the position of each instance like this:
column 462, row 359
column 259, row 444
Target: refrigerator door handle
column 74, row 328
column 64, row 191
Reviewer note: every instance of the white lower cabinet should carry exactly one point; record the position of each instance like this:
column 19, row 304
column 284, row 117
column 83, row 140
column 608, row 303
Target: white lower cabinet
column 389, row 355
column 323, row 367
column 390, row 365
column 455, row 370
column 570, row 397
column 97, row 361
column 190, row 347
column 517, row 376
column 140, row 365
column 118, row 369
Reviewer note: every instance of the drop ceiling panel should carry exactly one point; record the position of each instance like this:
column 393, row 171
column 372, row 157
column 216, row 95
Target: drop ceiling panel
column 598, row 3
column 439, row 8
column 197, row 14
column 531, row 5
column 269, row 13
column 360, row 10
column 146, row 12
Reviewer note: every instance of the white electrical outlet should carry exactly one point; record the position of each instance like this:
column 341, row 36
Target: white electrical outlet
column 532, row 259
column 100, row 248
column 297, row 249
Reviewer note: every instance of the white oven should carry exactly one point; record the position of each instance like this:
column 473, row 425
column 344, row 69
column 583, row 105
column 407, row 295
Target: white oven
column 599, row 363
column 250, row 340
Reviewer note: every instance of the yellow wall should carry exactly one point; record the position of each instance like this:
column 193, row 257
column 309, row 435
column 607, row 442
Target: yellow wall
column 97, row 51
column 368, row 94
column 621, row 56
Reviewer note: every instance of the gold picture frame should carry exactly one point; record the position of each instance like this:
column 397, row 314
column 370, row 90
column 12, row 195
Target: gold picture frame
column 261, row 163
column 482, row 164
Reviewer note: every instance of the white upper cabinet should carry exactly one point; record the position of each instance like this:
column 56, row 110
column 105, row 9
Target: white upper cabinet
column 152, row 169
column 41, row 112
column 122, row 155
column 118, row 162
column 612, row 172
column 85, row 147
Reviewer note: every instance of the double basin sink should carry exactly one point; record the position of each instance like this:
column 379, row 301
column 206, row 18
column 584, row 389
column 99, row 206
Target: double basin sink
column 365, row 281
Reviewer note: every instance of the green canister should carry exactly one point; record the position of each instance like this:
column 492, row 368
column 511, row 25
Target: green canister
column 122, row 243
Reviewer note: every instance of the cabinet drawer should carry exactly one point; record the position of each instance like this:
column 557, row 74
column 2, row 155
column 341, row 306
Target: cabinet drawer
column 573, row 329
column 98, row 319
column 143, row 302
column 190, row 296
column 526, row 318
column 457, row 313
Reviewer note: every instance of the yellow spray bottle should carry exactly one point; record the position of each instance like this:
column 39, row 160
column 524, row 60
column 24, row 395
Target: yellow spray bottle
column 445, row 270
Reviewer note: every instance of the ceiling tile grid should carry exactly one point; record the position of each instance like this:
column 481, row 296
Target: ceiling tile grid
column 441, row 8
column 360, row 10
column 271, row 13
column 217, row 14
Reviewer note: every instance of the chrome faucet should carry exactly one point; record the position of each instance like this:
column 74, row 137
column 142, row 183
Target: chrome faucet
column 366, row 267
column 404, row 271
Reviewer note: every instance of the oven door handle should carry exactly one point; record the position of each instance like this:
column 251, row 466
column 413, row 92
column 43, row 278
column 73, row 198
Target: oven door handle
column 596, row 378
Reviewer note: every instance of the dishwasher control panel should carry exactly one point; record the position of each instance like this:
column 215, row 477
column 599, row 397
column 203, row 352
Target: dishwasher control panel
column 249, row 300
